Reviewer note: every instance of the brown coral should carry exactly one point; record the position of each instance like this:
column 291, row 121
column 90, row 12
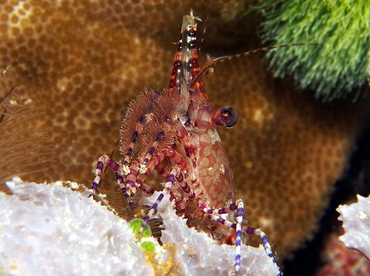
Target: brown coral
column 85, row 60
column 290, row 149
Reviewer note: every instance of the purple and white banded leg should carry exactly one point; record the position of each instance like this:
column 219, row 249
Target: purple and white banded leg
column 120, row 183
column 214, row 214
column 174, row 175
column 264, row 240
column 121, row 171
column 104, row 160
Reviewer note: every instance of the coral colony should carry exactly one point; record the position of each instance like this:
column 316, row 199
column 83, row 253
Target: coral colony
column 356, row 223
column 174, row 133
column 53, row 228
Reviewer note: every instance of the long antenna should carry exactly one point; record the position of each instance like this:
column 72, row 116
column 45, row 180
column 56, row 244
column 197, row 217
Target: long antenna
column 226, row 58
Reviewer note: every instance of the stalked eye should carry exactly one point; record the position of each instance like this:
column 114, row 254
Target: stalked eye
column 225, row 116
column 185, row 120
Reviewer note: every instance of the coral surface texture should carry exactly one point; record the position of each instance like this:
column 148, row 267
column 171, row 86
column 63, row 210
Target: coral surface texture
column 49, row 229
column 356, row 223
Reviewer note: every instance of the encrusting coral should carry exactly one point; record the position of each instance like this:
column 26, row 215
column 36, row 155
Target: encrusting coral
column 339, row 256
column 342, row 27
column 64, row 230
column 84, row 60
column 356, row 223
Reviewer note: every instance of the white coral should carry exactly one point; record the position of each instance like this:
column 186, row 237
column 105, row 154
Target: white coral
column 356, row 223
column 48, row 229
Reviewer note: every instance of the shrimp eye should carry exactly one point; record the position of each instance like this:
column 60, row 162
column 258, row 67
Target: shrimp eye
column 185, row 120
column 225, row 116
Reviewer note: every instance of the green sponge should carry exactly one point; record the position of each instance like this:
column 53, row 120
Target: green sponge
column 135, row 225
column 333, row 70
column 146, row 242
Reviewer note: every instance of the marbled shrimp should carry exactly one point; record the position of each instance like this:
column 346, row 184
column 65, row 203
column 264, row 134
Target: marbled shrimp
column 174, row 132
